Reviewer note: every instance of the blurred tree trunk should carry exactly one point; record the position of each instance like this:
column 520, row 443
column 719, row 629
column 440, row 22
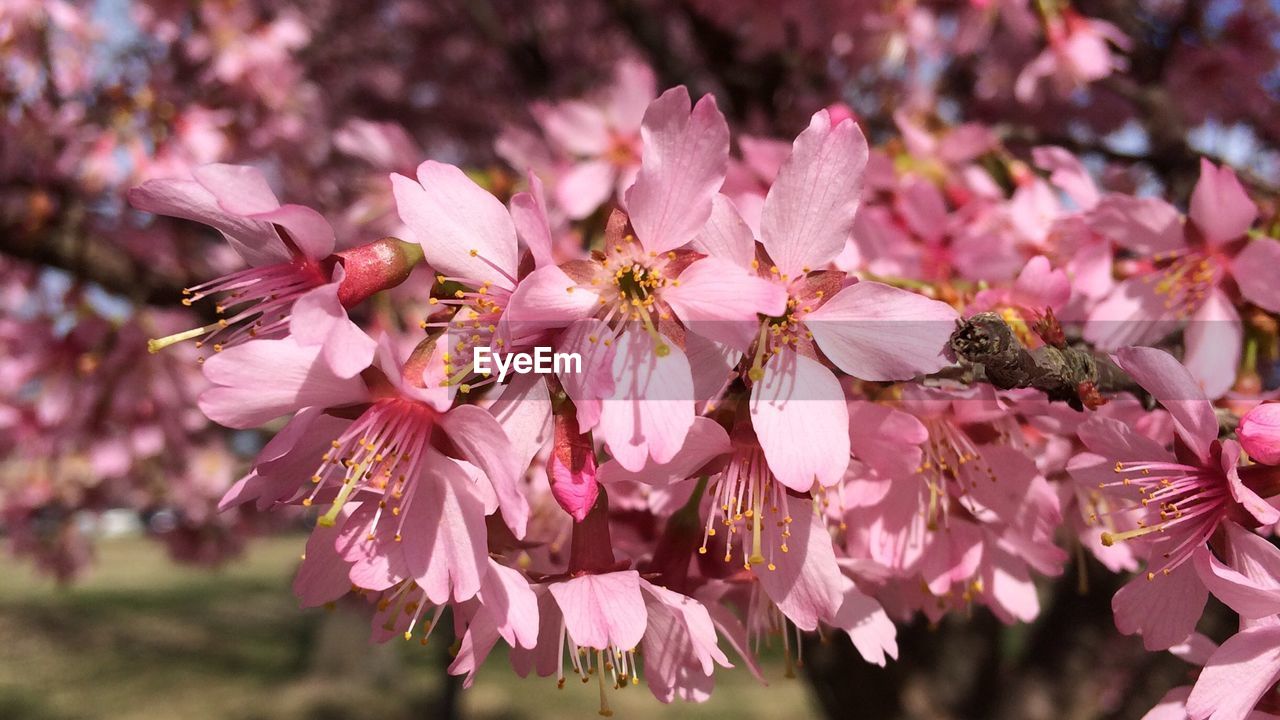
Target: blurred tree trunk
column 338, row 648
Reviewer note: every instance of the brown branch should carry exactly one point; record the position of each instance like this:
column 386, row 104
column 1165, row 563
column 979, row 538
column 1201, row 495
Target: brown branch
column 1072, row 375
column 63, row 246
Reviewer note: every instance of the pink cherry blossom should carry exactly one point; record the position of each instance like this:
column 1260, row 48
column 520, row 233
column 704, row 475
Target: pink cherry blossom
column 1184, row 273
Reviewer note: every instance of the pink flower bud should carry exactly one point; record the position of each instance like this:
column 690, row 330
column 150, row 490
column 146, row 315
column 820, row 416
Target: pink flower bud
column 1259, row 433
column 376, row 266
column 572, row 468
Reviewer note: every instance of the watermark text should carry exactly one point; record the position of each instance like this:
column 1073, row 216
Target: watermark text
column 542, row 361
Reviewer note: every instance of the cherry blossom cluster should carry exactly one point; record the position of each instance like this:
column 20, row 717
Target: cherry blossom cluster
column 769, row 433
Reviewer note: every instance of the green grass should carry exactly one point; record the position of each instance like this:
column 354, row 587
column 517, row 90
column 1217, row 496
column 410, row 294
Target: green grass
column 143, row 639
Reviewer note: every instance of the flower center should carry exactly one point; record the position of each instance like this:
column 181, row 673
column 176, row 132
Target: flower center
column 617, row 663
column 1184, row 280
column 746, row 500
column 778, row 332
column 404, row 605
column 381, row 451
column 1185, row 499
column 622, row 152
column 632, row 282
column 477, row 306
column 765, row 621
column 255, row 302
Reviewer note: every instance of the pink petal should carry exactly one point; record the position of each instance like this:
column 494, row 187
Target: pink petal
column 1039, row 285
column 255, row 241
column 1255, row 557
column 1133, row 313
column 1252, row 599
column 1013, row 496
column 1173, row 386
column 1090, row 268
column 923, row 209
column 306, row 228
column 802, row 422
column 506, row 595
column 651, row 408
column 1219, row 205
column 289, row 458
column 546, row 298
column 713, row 365
column 880, row 245
column 318, row 318
column 1163, row 610
column 524, row 412
column 706, row 440
column 603, row 611
column 377, row 561
column 886, row 439
column 1254, row 271
column 966, row 142
column 720, row 300
column 481, row 441
column 726, row 235
column 806, row 584
column 548, row 652
column 474, row 648
column 877, row 332
column 685, row 155
column 584, row 187
column 575, row 126
column 1115, row 440
column 1196, row 650
column 953, row 555
column 264, row 379
column 322, row 576
column 529, row 214
column 1013, row 594
column 809, row 211
column 1229, row 460
column 679, row 645
column 1067, row 172
column 240, row 189
column 764, row 156
column 1237, row 675
column 596, row 382
column 634, row 87
column 464, row 231
column 1147, row 226
column 731, row 629
column 1024, row 87
column 384, row 145
column 872, row 632
column 1213, row 340
column 444, row 533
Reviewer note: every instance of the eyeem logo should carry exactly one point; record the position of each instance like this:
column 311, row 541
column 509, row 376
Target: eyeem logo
column 541, row 361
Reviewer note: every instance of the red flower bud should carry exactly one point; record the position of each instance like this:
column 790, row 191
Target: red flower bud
column 1259, row 433
column 572, row 468
column 373, row 267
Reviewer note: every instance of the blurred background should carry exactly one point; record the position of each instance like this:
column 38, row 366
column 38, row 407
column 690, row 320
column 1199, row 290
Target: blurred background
column 125, row 594
column 139, row 638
